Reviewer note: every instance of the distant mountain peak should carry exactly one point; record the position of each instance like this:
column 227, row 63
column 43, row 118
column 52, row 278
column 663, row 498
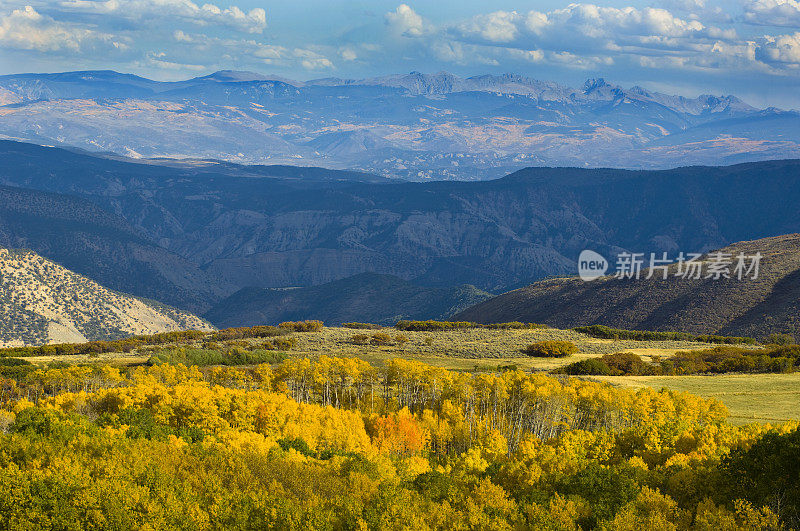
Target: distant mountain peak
column 593, row 84
column 239, row 76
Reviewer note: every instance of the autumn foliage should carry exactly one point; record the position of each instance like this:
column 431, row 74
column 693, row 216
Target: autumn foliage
column 339, row 443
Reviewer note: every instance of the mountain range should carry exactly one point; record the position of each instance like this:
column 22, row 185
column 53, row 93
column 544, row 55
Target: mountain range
column 753, row 307
column 192, row 233
column 414, row 126
column 43, row 302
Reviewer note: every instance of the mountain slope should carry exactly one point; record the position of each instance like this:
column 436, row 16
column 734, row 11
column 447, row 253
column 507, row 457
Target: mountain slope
column 756, row 308
column 367, row 297
column 284, row 230
column 43, row 302
column 93, row 242
column 414, row 126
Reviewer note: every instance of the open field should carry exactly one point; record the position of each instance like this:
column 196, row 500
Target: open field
column 463, row 349
column 749, row 397
column 772, row 398
column 457, row 349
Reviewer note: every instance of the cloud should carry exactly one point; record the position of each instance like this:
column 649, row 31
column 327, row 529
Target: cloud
column 254, row 21
column 780, row 50
column 592, row 36
column 219, row 50
column 311, row 60
column 773, row 13
column 158, row 60
column 500, row 26
column 406, row 22
column 580, row 27
column 27, row 29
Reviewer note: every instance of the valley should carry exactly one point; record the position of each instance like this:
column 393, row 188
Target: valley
column 405, row 266
column 191, row 235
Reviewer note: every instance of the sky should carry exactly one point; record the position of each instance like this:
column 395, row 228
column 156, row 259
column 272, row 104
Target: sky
column 750, row 48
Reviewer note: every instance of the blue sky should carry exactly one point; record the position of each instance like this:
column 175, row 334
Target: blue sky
column 750, row 48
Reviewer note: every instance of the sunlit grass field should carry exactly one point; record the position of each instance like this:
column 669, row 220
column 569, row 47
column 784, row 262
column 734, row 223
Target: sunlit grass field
column 772, row 398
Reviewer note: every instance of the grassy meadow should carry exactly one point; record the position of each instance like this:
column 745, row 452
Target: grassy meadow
column 766, row 398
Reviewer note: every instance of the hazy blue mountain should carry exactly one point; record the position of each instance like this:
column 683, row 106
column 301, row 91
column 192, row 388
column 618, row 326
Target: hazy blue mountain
column 275, row 227
column 414, row 126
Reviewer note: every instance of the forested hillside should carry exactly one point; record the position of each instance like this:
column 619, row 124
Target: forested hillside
column 747, row 307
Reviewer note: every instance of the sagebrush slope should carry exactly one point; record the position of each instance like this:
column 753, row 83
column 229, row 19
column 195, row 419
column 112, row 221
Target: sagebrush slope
column 43, row 302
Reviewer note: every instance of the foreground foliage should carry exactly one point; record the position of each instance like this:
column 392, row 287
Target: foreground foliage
column 337, row 443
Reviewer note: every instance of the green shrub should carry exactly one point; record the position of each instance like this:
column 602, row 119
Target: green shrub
column 591, row 366
column 98, row 347
column 628, row 363
column 13, row 362
column 228, row 334
column 514, row 325
column 606, row 332
column 551, row 349
column 726, row 340
column 360, row 339
column 380, row 338
column 302, row 326
column 780, row 339
column 298, row 444
column 284, row 343
column 433, row 326
column 766, row 474
column 202, row 357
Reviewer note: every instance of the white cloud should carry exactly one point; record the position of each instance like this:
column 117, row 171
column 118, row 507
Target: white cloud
column 157, row 60
column 500, row 26
column 218, row 49
column 780, row 50
column 773, row 13
column 27, row 29
column 311, row 60
column 585, row 25
column 406, row 22
column 254, row 21
column 589, row 35
column 532, row 56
